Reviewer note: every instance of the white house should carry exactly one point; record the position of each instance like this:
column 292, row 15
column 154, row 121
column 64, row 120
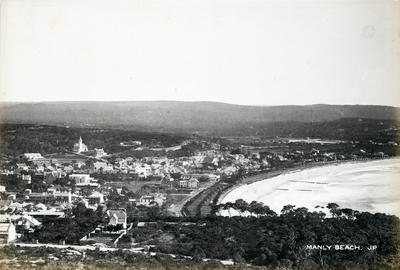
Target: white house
column 100, row 152
column 96, row 198
column 183, row 183
column 83, row 180
column 27, row 178
column 143, row 171
column 28, row 222
column 148, row 200
column 7, row 233
column 22, row 167
column 193, row 183
column 102, row 166
column 32, row 156
column 40, row 214
column 117, row 217
column 61, row 196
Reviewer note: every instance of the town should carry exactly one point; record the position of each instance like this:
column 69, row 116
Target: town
column 74, row 192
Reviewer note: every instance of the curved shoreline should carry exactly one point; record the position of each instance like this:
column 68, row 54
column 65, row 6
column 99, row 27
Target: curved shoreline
column 271, row 174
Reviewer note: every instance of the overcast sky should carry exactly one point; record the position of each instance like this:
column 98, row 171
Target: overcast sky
column 236, row 51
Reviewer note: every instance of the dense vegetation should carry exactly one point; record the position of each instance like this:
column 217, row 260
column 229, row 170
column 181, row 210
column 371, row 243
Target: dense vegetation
column 346, row 129
column 20, row 138
column 273, row 240
column 258, row 236
column 262, row 238
column 70, row 229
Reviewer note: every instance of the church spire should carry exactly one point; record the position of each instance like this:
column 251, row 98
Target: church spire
column 80, row 146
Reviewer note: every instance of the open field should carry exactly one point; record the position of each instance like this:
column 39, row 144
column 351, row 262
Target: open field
column 368, row 186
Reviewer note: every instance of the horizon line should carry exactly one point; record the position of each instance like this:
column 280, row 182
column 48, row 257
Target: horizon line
column 195, row 101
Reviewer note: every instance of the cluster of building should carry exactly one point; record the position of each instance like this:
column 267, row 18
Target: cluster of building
column 70, row 178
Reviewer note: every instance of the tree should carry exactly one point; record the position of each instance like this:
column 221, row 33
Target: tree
column 301, row 212
column 241, row 206
column 266, row 211
column 349, row 213
column 228, row 206
column 256, row 208
column 287, row 209
column 334, row 209
column 216, row 208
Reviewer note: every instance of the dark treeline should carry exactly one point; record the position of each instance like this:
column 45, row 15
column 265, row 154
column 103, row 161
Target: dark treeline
column 266, row 238
column 20, row 138
column 259, row 236
column 345, row 129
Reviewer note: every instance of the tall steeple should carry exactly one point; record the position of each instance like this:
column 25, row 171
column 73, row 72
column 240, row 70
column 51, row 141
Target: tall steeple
column 80, row 146
column 80, row 142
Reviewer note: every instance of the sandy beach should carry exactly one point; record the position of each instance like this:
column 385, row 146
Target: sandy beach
column 367, row 186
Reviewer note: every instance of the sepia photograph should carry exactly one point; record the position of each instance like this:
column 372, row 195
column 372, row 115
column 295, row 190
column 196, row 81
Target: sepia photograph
column 200, row 134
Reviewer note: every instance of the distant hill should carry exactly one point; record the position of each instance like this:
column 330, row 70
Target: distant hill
column 175, row 116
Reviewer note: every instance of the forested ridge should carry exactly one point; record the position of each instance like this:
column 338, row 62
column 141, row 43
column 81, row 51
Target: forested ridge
column 265, row 238
column 182, row 117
